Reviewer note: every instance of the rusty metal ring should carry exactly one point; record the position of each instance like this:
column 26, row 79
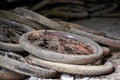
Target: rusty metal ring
column 23, row 67
column 12, row 46
column 58, row 57
column 66, row 13
column 15, row 17
column 104, row 10
column 39, row 18
column 85, row 70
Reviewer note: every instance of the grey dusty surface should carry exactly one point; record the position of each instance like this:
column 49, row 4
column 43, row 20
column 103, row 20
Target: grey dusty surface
column 110, row 25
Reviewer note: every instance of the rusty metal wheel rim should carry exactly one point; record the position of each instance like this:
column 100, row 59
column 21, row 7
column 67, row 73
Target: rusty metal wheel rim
column 57, row 57
column 15, row 17
column 12, row 46
column 19, row 64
